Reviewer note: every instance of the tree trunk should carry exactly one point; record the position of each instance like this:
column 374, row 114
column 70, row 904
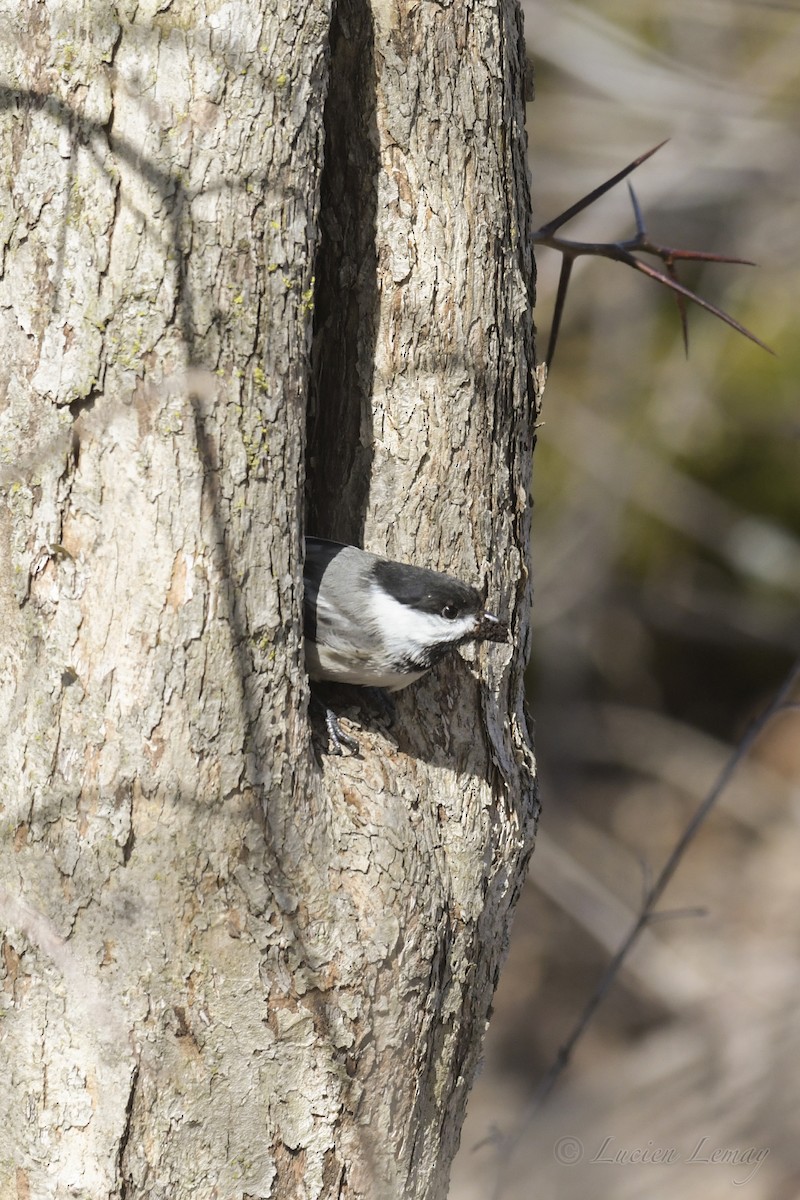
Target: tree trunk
column 234, row 966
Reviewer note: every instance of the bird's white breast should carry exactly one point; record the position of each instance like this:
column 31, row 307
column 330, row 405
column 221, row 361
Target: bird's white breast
column 340, row 666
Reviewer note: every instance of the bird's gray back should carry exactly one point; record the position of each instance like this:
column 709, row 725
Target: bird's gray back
column 340, row 574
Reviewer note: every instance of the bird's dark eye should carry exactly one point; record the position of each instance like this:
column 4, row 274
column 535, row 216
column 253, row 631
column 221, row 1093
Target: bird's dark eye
column 450, row 611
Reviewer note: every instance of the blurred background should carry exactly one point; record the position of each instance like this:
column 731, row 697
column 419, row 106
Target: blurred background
column 667, row 576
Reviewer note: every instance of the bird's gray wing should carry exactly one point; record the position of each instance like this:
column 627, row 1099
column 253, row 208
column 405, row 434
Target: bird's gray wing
column 335, row 577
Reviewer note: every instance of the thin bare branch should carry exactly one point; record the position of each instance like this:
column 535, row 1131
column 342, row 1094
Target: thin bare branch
column 676, row 914
column 781, row 702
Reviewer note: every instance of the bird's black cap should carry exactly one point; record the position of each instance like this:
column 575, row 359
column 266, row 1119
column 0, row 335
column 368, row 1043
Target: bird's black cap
column 427, row 591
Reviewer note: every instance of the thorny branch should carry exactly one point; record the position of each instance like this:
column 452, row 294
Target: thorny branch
column 506, row 1145
column 625, row 252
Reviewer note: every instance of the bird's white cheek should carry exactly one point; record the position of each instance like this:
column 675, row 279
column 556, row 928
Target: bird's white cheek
column 404, row 629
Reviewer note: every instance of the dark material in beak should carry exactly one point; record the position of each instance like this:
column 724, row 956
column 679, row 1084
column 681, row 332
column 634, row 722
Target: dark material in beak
column 490, row 629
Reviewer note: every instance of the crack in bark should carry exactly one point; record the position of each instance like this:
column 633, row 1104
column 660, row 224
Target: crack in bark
column 127, row 849
column 126, row 1132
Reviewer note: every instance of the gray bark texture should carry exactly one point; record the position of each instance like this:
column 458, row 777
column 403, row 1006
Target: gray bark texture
column 256, row 258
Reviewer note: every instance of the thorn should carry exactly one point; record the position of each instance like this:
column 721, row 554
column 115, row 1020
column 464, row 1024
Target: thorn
column 561, row 297
column 578, row 207
column 680, row 303
column 637, row 212
column 682, row 290
column 626, row 253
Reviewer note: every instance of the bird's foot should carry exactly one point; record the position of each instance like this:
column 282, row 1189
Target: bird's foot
column 337, row 735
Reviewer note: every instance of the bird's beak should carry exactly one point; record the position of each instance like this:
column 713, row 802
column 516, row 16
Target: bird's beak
column 490, row 629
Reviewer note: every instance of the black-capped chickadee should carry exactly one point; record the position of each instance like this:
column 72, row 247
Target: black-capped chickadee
column 381, row 624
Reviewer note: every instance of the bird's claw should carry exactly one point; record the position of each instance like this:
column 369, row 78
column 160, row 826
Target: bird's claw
column 338, row 736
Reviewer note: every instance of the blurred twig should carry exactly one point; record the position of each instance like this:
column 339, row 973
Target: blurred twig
column 506, row 1145
column 625, row 252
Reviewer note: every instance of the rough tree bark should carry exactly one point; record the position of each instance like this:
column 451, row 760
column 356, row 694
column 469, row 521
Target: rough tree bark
column 233, row 966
